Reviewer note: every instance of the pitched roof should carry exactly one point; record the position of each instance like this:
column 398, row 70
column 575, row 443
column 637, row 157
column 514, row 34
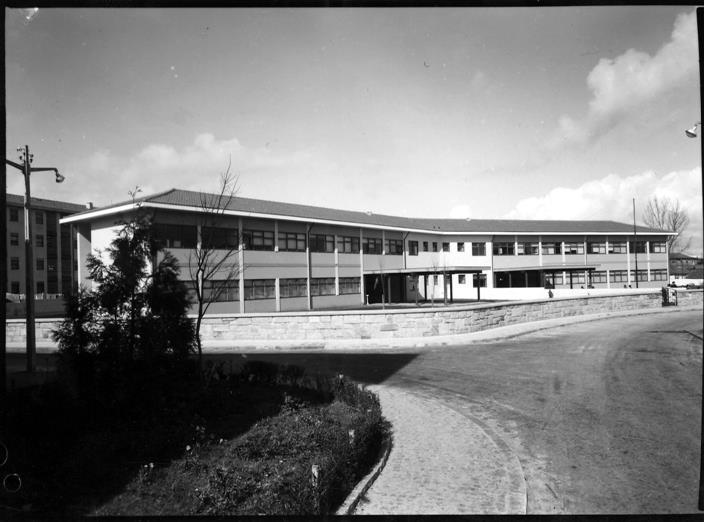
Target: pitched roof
column 186, row 198
column 46, row 204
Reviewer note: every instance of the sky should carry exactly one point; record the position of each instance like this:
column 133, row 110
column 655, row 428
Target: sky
column 531, row 113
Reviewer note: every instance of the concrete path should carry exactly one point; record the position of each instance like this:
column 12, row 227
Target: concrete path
column 441, row 462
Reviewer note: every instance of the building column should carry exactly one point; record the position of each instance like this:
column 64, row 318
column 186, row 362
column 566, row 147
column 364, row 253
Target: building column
column 628, row 263
column 277, row 294
column 83, row 251
column 361, row 268
column 336, row 255
column 240, row 260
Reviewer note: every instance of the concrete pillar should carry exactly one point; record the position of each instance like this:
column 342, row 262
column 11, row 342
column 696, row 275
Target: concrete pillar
column 240, row 261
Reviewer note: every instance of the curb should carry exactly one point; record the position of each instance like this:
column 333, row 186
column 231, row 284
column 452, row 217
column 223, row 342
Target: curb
column 350, row 504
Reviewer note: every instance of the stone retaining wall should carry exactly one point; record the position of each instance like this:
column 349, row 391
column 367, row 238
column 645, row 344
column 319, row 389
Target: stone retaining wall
column 399, row 323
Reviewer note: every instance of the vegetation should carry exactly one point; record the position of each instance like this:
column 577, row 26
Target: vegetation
column 667, row 214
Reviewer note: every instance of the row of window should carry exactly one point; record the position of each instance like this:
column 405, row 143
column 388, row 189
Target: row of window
column 185, row 236
column 599, row 276
column 266, row 288
column 15, row 215
column 15, row 264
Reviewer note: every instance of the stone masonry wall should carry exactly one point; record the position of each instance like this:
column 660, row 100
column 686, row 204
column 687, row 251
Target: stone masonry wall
column 380, row 324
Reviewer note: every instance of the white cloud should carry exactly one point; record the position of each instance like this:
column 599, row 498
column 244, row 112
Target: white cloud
column 460, row 212
column 622, row 84
column 611, row 198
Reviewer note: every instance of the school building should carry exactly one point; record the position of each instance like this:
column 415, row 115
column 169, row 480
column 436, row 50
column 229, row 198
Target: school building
column 298, row 257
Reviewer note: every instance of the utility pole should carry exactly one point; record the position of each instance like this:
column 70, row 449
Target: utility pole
column 25, row 167
column 635, row 241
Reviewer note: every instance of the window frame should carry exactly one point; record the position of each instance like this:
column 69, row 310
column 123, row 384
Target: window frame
column 259, row 289
column 292, row 287
column 477, row 247
column 321, row 243
column 292, row 241
column 412, row 248
column 393, row 247
column 498, row 248
column 347, row 283
column 574, row 248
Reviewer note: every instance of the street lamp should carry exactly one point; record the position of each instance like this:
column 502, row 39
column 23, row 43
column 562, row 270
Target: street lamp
column 692, row 133
column 25, row 167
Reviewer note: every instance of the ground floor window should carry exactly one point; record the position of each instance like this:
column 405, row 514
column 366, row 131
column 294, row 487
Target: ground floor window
column 221, row 290
column 578, row 278
column 14, row 287
column 618, row 276
column 642, row 275
column 461, row 279
column 322, row 286
column 599, row 276
column 296, row 287
column 259, row 289
column 350, row 285
column 479, row 280
column 659, row 274
column 553, row 279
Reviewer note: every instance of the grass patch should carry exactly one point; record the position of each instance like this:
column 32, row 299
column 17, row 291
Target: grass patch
column 236, row 444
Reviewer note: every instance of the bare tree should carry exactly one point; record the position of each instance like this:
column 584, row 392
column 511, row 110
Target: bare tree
column 667, row 214
column 214, row 262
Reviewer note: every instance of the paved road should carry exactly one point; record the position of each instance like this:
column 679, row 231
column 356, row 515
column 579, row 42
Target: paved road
column 604, row 417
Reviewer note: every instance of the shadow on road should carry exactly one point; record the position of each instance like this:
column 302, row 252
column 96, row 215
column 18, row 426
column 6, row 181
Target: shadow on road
column 367, row 368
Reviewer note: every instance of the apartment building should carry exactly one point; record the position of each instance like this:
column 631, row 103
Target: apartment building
column 54, row 245
column 299, row 257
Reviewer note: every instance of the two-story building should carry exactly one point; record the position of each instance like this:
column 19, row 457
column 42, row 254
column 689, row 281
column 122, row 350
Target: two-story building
column 299, row 257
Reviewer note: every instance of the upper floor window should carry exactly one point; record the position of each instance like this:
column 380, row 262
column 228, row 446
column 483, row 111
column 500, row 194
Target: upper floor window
column 371, row 245
column 460, row 246
column 322, row 243
column 478, row 249
column 40, row 263
column 425, row 246
column 617, row 247
column 14, row 264
column 217, row 237
column 435, row 246
column 348, row 245
column 292, row 241
column 14, row 214
column 258, row 240
column 413, row 248
column 39, row 240
column 639, row 247
column 550, row 249
column 175, row 236
column 446, row 247
column 528, row 249
column 574, row 248
column 504, row 249
column 394, row 247
column 596, row 247
column 14, row 238
column 658, row 247
column 39, row 217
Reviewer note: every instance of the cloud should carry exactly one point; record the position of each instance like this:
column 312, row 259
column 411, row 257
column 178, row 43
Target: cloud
column 622, row 84
column 610, row 198
column 460, row 212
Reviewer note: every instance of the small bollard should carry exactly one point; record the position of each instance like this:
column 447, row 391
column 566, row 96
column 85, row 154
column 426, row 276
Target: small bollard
column 315, row 471
column 351, row 435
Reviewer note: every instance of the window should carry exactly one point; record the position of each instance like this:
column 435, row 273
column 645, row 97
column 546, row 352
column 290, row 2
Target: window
column 322, row 286
column 435, row 246
column 259, row 288
column 350, row 285
column 413, row 248
column 553, row 279
column 659, row 274
column 39, row 240
column 14, row 216
column 14, row 263
column 460, row 247
column 222, row 238
column 39, row 217
column 657, row 247
column 174, row 236
column 642, row 275
column 578, row 278
column 221, row 290
column 527, row 249
column 40, row 287
column 292, row 241
column 40, row 263
column 461, row 279
column 446, row 247
column 321, row 243
column 348, row 245
column 599, row 276
column 639, row 247
column 574, row 248
column 293, row 287
column 15, row 287
column 394, row 247
column 371, row 245
column 551, row 249
column 504, row 249
column 596, row 248
column 435, row 280
column 478, row 249
column 425, row 246
column 618, row 276
column 14, row 239
column 258, row 240
column 617, row 247
column 51, row 267
column 479, row 281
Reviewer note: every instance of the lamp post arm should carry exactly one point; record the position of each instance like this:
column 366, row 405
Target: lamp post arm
column 16, row 165
column 44, row 169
